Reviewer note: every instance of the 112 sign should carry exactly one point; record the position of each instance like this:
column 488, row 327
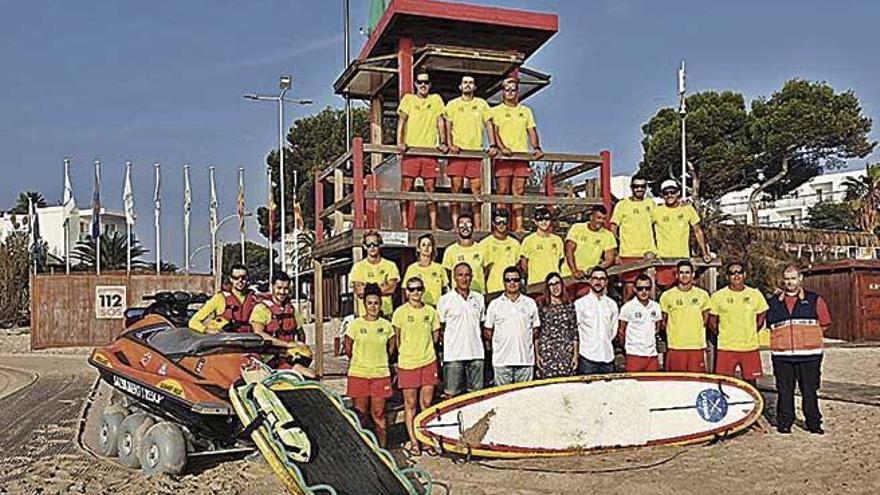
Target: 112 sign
column 110, row 302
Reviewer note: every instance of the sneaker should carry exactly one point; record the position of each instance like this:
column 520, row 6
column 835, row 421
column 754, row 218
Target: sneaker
column 816, row 430
column 783, row 429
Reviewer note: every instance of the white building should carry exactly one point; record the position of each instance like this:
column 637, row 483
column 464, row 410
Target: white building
column 52, row 226
column 793, row 208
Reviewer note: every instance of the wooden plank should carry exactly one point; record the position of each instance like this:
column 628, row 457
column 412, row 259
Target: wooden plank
column 335, row 208
column 335, row 244
column 338, row 195
column 574, row 171
column 318, row 290
column 333, row 166
column 482, row 198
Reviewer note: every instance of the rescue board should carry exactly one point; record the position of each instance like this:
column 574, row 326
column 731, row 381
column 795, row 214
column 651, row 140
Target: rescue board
column 575, row 415
column 314, row 444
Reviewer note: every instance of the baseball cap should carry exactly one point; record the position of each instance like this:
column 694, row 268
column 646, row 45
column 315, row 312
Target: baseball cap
column 668, row 184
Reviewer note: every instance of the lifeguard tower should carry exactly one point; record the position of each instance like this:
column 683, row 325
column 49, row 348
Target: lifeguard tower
column 360, row 190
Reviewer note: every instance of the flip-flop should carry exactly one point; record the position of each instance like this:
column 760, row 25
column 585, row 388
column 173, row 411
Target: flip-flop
column 412, row 450
column 430, row 451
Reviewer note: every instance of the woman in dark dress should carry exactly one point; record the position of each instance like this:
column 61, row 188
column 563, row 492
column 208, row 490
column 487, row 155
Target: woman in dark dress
column 556, row 342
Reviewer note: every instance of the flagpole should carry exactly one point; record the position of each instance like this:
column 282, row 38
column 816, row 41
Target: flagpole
column 187, row 198
column 213, row 222
column 295, row 241
column 96, row 212
column 66, row 218
column 241, row 210
column 127, row 223
column 270, row 224
column 156, row 213
column 683, row 111
column 31, row 237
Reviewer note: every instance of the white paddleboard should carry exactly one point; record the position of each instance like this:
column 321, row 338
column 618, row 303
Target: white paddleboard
column 567, row 416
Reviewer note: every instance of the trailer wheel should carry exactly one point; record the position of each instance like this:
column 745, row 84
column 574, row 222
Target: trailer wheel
column 163, row 450
column 129, row 437
column 108, row 430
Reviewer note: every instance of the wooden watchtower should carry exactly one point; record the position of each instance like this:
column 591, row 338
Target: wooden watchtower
column 360, row 190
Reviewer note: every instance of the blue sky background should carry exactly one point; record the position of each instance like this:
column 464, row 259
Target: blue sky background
column 161, row 82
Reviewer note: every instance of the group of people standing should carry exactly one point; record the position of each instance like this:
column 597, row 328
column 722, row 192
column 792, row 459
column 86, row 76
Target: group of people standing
column 516, row 338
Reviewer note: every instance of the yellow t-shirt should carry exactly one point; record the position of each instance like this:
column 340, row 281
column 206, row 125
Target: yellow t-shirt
column 673, row 228
column 736, row 312
column 473, row 256
column 421, row 123
column 590, row 246
column 365, row 272
column 434, row 277
column 543, row 253
column 684, row 324
column 500, row 254
column 636, row 229
column 369, row 355
column 468, row 119
column 512, row 124
column 416, row 327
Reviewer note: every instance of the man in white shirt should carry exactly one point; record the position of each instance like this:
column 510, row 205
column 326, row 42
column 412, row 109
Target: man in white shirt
column 597, row 326
column 640, row 320
column 460, row 312
column 511, row 319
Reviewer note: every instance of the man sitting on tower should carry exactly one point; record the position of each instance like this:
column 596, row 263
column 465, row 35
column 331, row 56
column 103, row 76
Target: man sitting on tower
column 515, row 130
column 420, row 125
column 466, row 117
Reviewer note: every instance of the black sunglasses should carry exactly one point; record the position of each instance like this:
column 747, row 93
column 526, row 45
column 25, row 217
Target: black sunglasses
column 422, row 81
column 541, row 219
column 642, row 288
column 511, row 280
column 639, row 186
column 500, row 221
column 416, row 289
column 372, row 244
column 670, row 192
column 735, row 272
column 240, row 277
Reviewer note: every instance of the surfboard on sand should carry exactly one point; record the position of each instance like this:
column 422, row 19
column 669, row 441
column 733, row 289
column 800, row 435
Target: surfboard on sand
column 569, row 416
column 312, row 441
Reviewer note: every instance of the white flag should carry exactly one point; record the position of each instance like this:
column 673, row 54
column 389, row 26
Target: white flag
column 213, row 204
column 67, row 200
column 157, row 201
column 128, row 197
column 187, row 198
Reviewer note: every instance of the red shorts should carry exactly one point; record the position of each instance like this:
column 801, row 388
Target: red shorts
column 464, row 167
column 690, row 360
column 642, row 363
column 418, row 377
column 749, row 363
column 419, row 166
column 665, row 275
column 512, row 168
column 376, row 388
column 630, row 276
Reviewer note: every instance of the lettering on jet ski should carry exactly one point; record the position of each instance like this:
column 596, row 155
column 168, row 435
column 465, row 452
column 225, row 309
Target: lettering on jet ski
column 137, row 390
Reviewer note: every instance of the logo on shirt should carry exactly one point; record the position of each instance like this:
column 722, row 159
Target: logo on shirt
column 747, row 299
column 426, row 319
column 410, row 318
column 695, row 301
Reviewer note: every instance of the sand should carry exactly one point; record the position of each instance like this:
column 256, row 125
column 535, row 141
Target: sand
column 39, row 452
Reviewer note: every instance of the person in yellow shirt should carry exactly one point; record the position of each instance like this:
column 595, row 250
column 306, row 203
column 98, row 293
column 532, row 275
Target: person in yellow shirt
column 466, row 250
column 633, row 225
column 736, row 314
column 420, row 125
column 228, row 310
column 275, row 317
column 432, row 274
column 673, row 222
column 417, row 328
column 515, row 130
column 542, row 250
column 369, row 341
column 685, row 309
column 589, row 244
column 500, row 251
column 374, row 269
column 466, row 117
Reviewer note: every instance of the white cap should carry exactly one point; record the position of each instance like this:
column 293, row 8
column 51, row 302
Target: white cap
column 669, row 184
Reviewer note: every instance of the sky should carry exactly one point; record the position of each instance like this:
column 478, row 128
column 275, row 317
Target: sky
column 162, row 82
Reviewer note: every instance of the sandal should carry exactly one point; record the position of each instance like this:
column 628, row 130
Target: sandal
column 412, row 449
column 430, row 451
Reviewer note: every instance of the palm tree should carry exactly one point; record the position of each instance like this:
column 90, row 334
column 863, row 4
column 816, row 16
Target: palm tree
column 114, row 253
column 22, row 204
column 863, row 196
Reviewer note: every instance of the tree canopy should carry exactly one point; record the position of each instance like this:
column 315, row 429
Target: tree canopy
column 21, row 203
column 113, row 253
column 800, row 131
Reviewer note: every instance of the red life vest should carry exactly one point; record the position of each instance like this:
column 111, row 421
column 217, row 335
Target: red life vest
column 283, row 323
column 238, row 313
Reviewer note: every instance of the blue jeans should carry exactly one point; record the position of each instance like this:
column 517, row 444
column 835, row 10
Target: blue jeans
column 505, row 375
column 587, row 367
column 459, row 373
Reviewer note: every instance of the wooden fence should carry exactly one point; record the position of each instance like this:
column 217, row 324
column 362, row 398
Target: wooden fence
column 63, row 307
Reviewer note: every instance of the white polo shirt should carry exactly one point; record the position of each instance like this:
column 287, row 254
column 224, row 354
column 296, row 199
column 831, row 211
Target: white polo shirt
column 597, row 326
column 462, row 339
column 513, row 323
column 641, row 327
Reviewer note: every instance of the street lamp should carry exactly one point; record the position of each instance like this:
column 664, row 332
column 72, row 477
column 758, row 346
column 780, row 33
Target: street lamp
column 285, row 83
column 214, row 234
